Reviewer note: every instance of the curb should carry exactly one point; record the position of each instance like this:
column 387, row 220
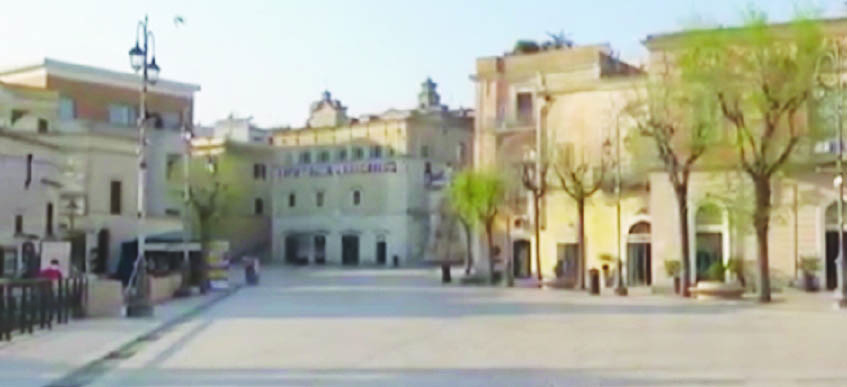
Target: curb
column 89, row 372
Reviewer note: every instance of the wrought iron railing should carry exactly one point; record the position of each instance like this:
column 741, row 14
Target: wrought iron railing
column 39, row 303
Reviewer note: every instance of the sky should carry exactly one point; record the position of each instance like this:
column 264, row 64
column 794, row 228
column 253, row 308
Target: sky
column 272, row 59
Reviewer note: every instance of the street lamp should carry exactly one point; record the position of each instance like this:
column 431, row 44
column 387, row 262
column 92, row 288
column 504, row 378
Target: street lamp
column 834, row 56
column 139, row 303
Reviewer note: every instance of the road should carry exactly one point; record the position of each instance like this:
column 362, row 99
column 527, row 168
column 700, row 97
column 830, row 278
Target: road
column 305, row 327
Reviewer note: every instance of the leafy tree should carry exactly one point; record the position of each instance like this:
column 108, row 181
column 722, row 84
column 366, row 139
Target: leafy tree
column 762, row 77
column 213, row 192
column 580, row 180
column 676, row 121
column 477, row 196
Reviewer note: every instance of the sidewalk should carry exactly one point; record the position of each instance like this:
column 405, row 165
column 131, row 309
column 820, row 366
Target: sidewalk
column 37, row 360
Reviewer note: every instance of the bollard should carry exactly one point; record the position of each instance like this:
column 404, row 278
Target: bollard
column 445, row 273
column 594, row 282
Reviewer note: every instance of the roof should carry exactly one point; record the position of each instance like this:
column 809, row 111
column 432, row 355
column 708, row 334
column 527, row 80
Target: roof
column 98, row 75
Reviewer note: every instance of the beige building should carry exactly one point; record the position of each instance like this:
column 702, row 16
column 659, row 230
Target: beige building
column 570, row 101
column 86, row 117
column 565, row 104
column 358, row 191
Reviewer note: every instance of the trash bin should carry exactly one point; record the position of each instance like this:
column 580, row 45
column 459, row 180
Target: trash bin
column 594, row 282
column 251, row 271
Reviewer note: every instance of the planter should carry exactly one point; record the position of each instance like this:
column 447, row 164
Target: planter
column 717, row 290
column 810, row 283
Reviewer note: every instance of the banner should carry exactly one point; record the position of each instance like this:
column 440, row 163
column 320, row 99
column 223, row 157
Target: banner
column 218, row 264
column 322, row 170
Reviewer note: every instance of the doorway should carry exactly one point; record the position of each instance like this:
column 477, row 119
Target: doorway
column 350, row 250
column 711, row 223
column 292, row 248
column 568, row 259
column 381, row 253
column 320, row 249
column 522, row 267
column 831, row 266
column 638, row 259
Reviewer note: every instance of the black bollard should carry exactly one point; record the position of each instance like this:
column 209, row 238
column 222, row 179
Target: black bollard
column 594, row 282
column 445, row 274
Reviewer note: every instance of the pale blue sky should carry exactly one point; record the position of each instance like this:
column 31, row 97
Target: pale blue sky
column 271, row 59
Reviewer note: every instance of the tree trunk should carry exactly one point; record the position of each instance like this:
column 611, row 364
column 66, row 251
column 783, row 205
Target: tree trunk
column 469, row 256
column 489, row 237
column 205, row 240
column 537, row 239
column 761, row 221
column 682, row 205
column 580, row 207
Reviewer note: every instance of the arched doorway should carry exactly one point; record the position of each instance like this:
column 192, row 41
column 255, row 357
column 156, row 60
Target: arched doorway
column 709, row 243
column 521, row 256
column 350, row 250
column 639, row 260
column 830, row 265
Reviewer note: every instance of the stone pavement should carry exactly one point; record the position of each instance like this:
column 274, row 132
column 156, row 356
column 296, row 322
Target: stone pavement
column 48, row 355
column 388, row 327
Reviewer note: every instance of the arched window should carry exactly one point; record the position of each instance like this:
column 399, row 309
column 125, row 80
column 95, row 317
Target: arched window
column 258, row 206
column 292, row 199
column 357, row 197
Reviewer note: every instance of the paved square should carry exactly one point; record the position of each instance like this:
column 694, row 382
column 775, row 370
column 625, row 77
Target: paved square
column 401, row 327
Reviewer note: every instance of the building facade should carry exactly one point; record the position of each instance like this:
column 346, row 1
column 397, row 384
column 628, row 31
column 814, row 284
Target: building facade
column 358, row 191
column 91, row 123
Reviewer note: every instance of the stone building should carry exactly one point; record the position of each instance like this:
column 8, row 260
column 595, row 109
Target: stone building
column 358, row 190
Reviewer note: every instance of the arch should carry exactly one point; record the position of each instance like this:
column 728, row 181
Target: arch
column 642, row 227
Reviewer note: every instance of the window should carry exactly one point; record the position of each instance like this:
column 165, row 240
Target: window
column 425, row 151
column 260, row 172
column 342, row 154
column 171, row 120
column 115, row 197
column 67, row 108
column 376, row 152
column 42, row 125
column 122, row 114
column 170, row 164
column 292, row 200
column 524, row 105
column 357, row 197
column 48, row 229
column 319, row 199
column 358, row 153
column 461, row 153
column 258, row 206
column 19, row 224
column 16, row 115
column 305, row 157
column 323, row 157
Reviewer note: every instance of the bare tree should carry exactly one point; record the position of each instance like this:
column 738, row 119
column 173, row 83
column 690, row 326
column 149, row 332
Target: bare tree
column 537, row 186
column 581, row 180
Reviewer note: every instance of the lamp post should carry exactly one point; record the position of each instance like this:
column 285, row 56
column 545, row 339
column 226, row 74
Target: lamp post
column 139, row 303
column 834, row 56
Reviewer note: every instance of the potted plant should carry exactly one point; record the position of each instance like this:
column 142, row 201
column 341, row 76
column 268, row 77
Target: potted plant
column 672, row 269
column 735, row 266
column 810, row 266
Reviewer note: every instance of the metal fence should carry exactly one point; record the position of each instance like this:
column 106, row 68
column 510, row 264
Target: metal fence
column 39, row 303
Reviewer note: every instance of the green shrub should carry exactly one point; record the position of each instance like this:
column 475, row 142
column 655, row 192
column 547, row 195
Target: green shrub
column 810, row 265
column 716, row 271
column 672, row 267
column 526, row 47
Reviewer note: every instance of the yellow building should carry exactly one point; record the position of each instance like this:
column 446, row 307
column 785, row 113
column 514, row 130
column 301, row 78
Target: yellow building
column 567, row 103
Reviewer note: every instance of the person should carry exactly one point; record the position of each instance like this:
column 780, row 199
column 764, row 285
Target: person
column 51, row 272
